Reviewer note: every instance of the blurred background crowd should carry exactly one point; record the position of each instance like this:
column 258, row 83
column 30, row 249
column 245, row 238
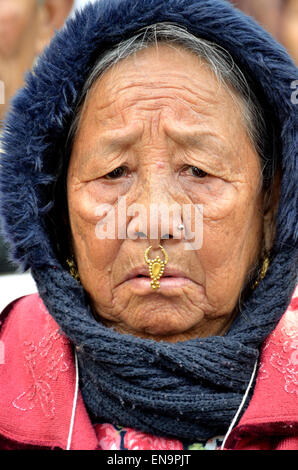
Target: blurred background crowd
column 27, row 26
column 279, row 17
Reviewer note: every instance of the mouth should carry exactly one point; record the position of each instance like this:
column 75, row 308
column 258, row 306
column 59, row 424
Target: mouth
column 172, row 278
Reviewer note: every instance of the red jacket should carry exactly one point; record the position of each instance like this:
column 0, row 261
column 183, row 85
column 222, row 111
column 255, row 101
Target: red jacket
column 37, row 383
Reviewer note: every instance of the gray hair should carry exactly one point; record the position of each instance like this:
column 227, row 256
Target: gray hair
column 218, row 59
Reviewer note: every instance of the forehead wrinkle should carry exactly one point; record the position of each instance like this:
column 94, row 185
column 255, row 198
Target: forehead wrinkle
column 165, row 91
column 115, row 109
column 119, row 80
column 111, row 79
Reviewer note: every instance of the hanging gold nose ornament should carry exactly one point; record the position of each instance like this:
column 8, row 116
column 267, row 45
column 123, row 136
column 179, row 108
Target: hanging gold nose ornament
column 156, row 267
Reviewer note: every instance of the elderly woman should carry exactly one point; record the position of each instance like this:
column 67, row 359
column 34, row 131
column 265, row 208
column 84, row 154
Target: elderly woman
column 153, row 329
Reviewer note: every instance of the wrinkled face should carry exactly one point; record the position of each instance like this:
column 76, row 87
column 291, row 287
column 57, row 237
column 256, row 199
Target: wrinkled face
column 159, row 129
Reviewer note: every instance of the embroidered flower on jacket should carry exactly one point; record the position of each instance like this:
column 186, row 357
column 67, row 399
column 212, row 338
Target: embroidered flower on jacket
column 44, row 362
column 109, row 437
column 136, row 440
column 284, row 347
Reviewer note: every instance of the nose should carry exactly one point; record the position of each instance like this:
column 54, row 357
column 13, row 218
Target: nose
column 161, row 215
column 161, row 224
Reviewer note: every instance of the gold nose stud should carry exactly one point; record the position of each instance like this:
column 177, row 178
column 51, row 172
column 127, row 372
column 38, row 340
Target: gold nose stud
column 156, row 267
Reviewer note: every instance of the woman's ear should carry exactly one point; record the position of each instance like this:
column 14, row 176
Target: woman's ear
column 271, row 201
column 51, row 17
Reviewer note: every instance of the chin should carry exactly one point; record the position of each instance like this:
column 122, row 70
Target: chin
column 159, row 328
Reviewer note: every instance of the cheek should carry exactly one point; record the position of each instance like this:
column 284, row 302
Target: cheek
column 98, row 192
column 230, row 249
column 234, row 239
column 94, row 256
column 216, row 196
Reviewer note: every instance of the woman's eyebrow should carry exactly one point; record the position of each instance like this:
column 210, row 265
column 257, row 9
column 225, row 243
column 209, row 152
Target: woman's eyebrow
column 111, row 141
column 201, row 139
column 197, row 137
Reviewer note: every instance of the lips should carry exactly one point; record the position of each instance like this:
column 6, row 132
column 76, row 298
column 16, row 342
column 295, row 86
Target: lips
column 139, row 279
column 142, row 271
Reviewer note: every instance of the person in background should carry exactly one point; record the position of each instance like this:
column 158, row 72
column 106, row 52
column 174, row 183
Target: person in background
column 279, row 17
column 289, row 28
column 26, row 27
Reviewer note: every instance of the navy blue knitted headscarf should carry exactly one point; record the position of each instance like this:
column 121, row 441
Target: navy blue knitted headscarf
column 189, row 390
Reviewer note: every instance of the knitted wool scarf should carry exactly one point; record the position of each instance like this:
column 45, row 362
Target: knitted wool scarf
column 188, row 390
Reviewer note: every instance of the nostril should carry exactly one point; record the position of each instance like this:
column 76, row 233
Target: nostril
column 167, row 236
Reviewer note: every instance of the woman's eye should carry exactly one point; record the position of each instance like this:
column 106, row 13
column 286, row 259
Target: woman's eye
column 117, row 173
column 197, row 172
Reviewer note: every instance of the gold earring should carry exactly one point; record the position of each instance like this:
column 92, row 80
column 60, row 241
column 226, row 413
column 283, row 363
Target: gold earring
column 73, row 269
column 262, row 273
column 156, row 267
